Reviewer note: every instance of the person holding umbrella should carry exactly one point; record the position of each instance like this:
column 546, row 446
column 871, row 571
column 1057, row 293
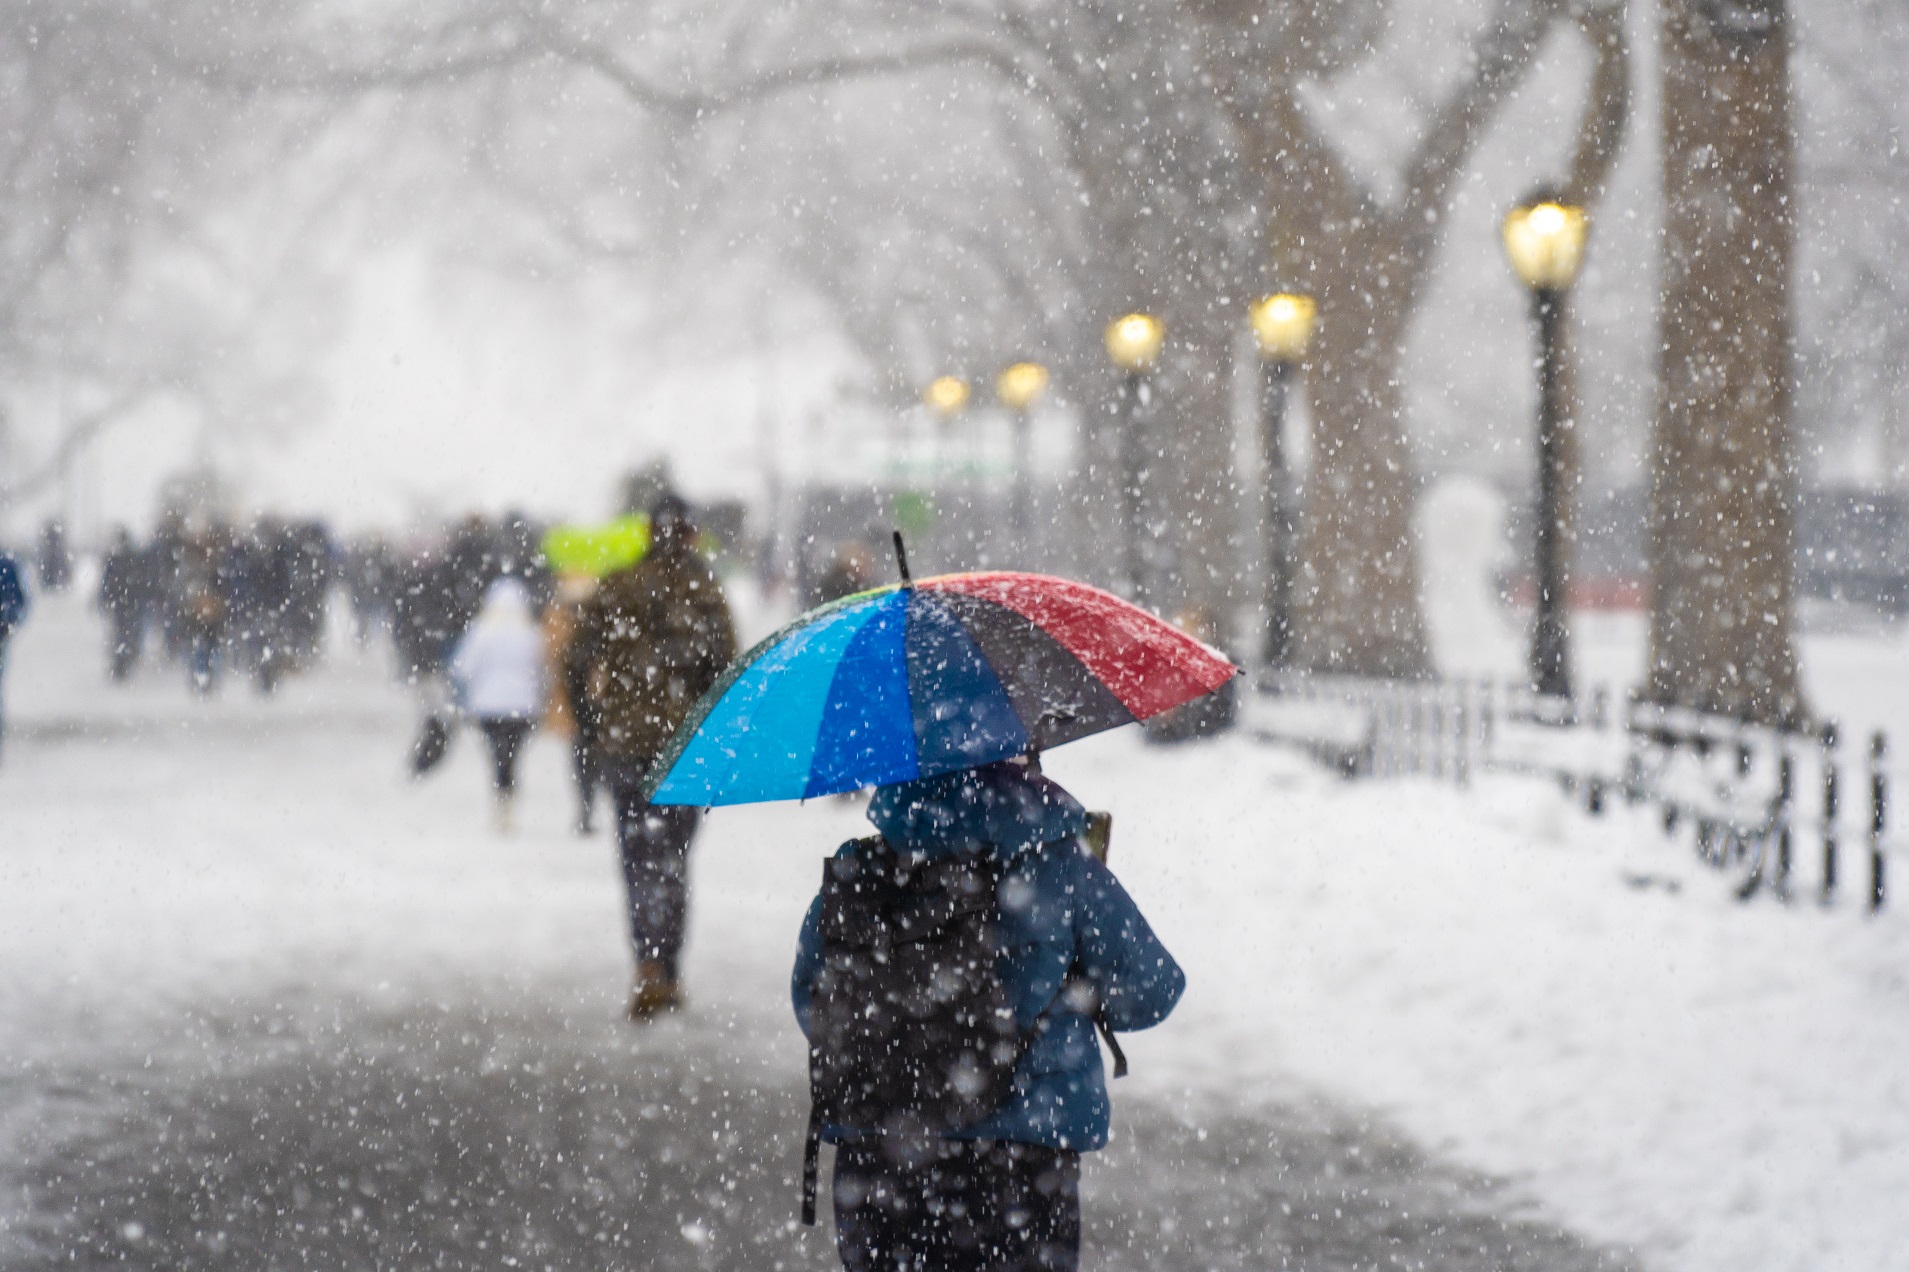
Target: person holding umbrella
column 953, row 972
column 649, row 643
column 999, row 1187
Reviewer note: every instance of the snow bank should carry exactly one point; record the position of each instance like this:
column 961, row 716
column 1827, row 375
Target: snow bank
column 1719, row 1085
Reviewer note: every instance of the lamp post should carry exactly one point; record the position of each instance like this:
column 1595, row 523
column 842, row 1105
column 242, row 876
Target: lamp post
column 947, row 396
column 1018, row 388
column 1133, row 342
column 1282, row 326
column 1544, row 239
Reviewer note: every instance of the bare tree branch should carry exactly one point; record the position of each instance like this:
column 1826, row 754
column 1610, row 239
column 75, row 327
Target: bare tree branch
column 1607, row 112
column 79, row 432
column 1500, row 57
column 772, row 82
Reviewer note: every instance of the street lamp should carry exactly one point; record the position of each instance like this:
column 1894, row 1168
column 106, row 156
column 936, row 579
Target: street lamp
column 1282, row 326
column 1019, row 387
column 1133, row 342
column 1544, row 239
column 947, row 394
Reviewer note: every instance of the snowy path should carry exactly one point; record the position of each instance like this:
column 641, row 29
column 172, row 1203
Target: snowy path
column 268, row 1005
column 474, row 1136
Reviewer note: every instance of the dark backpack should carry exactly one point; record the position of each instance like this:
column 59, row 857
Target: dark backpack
column 911, row 1033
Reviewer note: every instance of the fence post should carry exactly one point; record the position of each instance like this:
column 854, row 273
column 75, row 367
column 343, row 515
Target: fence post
column 1381, row 732
column 1830, row 799
column 1461, row 734
column 1413, row 707
column 1878, row 817
column 1785, row 801
column 1487, row 721
column 1600, row 723
column 1402, row 713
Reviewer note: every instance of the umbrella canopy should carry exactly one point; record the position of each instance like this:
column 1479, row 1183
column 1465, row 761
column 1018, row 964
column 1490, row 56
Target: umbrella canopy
column 919, row 679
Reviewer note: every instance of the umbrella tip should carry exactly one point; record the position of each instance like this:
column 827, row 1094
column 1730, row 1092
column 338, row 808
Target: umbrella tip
column 901, row 560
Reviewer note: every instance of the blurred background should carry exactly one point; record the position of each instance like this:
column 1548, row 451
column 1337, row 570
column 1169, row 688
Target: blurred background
column 386, row 268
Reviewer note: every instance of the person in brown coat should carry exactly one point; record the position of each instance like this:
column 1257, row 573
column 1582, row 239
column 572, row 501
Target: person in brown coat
column 648, row 644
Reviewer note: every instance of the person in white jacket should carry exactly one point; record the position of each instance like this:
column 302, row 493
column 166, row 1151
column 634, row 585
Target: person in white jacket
column 498, row 668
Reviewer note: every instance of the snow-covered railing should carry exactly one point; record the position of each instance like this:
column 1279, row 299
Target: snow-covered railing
column 1756, row 799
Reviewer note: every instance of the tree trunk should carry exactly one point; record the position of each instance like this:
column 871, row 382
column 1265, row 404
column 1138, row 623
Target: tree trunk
column 1356, row 593
column 1193, row 492
column 1724, row 474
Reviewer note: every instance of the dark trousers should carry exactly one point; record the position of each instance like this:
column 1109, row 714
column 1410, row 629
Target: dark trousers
column 506, row 736
column 974, row 1206
column 124, row 652
column 654, row 841
column 583, row 766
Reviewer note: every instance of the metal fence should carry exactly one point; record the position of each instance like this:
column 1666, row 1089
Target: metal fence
column 1774, row 806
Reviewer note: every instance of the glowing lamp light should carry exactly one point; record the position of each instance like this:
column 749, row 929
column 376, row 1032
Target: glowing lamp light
column 1282, row 324
column 1545, row 241
column 1133, row 342
column 947, row 395
column 1021, row 385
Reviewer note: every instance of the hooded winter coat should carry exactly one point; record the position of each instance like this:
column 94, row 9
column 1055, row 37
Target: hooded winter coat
column 1059, row 906
column 649, row 643
column 498, row 664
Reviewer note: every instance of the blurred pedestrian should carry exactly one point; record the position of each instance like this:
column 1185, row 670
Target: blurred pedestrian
column 202, row 611
column 851, row 569
column 369, row 580
column 570, row 713
column 13, row 612
column 267, row 588
column 469, row 563
column 165, row 575
column 959, row 1117
column 122, row 603
column 498, row 670
column 313, row 571
column 56, row 559
column 652, row 640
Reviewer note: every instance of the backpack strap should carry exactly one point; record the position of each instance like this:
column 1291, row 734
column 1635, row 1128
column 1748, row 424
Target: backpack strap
column 1113, row 1044
column 811, row 1164
column 1077, row 972
column 812, row 1143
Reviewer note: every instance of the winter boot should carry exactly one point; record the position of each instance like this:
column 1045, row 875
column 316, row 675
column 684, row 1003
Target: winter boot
column 504, row 816
column 655, row 993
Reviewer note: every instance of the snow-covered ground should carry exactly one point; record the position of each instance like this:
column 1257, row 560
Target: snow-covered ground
column 1720, row 1086
column 1712, row 1085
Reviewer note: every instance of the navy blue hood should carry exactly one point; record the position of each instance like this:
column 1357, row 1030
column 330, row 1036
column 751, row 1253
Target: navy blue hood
column 1001, row 807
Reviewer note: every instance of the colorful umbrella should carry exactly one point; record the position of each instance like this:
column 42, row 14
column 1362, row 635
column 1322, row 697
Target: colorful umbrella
column 918, row 679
